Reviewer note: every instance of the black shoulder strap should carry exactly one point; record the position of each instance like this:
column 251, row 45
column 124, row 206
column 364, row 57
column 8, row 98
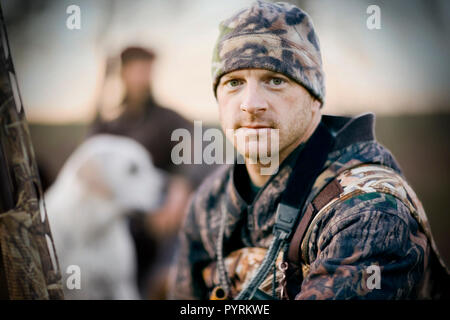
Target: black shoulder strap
column 308, row 165
column 331, row 191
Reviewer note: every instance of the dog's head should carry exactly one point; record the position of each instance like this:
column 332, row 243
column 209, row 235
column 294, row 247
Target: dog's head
column 118, row 169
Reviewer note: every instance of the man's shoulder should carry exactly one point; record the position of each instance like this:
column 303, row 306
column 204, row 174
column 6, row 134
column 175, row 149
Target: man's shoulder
column 367, row 219
column 373, row 189
column 370, row 205
column 371, row 197
column 204, row 208
column 213, row 186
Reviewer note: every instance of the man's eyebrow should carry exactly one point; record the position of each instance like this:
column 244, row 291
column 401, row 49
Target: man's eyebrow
column 274, row 74
column 226, row 77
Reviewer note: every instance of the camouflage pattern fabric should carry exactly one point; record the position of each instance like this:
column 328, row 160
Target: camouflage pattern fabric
column 274, row 36
column 389, row 193
column 29, row 260
column 367, row 229
column 363, row 179
column 241, row 265
column 28, row 264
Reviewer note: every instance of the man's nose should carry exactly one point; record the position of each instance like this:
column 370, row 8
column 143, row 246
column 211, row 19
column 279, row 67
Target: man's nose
column 253, row 101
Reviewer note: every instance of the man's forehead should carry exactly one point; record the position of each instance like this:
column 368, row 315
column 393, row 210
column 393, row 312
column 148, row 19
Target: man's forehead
column 251, row 71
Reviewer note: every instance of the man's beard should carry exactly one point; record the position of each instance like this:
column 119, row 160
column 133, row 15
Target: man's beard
column 257, row 145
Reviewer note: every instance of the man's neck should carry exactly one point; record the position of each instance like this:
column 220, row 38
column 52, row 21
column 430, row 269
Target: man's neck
column 135, row 105
column 255, row 169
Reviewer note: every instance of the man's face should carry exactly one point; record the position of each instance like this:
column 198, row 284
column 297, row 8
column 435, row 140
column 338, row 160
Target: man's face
column 136, row 77
column 257, row 101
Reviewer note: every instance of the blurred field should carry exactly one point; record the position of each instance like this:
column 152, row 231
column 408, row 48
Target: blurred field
column 419, row 142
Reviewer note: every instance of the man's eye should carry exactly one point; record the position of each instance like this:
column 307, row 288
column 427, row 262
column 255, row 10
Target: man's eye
column 234, row 83
column 276, row 81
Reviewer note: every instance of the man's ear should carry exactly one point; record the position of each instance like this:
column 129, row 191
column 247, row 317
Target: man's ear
column 316, row 104
column 91, row 176
column 316, row 114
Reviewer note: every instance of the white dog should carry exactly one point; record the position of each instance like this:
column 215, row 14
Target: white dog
column 103, row 180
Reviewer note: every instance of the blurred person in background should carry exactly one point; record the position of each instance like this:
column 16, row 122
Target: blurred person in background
column 144, row 120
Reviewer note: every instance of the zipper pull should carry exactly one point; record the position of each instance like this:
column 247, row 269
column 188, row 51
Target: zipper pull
column 283, row 266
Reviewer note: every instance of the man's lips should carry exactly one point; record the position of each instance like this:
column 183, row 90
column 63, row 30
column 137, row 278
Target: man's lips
column 256, row 126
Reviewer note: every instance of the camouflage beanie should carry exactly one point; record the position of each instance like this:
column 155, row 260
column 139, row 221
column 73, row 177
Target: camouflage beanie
column 274, row 36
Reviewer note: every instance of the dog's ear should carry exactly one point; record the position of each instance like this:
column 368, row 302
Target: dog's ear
column 90, row 174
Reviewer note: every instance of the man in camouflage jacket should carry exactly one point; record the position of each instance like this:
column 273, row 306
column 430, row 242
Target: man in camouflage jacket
column 268, row 75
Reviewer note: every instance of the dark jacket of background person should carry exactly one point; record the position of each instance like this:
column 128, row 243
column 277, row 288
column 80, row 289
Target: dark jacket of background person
column 152, row 128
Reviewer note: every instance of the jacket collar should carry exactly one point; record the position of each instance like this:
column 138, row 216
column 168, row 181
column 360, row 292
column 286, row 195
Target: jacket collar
column 349, row 130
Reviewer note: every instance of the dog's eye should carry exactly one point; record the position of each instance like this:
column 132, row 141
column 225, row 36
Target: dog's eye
column 133, row 169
